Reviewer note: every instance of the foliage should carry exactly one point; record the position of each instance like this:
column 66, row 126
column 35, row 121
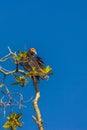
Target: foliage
column 13, row 121
column 21, row 55
column 24, row 80
column 42, row 72
column 47, row 70
column 21, row 80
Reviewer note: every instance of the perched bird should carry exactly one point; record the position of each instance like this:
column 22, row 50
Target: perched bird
column 32, row 61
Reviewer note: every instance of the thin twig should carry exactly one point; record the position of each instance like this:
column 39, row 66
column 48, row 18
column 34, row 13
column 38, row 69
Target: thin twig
column 8, row 72
column 6, row 57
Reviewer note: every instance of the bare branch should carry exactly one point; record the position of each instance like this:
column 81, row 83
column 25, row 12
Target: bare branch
column 13, row 53
column 12, row 101
column 8, row 72
column 8, row 56
column 6, row 94
column 38, row 118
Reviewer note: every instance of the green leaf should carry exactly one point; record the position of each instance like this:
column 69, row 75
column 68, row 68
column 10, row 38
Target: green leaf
column 22, row 54
column 16, row 58
column 6, row 125
column 13, row 121
column 21, row 80
column 47, row 69
column 17, row 77
column 19, row 116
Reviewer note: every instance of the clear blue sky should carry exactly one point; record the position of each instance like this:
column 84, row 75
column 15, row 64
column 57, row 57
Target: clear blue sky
column 58, row 30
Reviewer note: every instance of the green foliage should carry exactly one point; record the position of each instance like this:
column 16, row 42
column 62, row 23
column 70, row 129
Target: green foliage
column 13, row 121
column 21, row 80
column 43, row 73
column 47, row 70
column 21, row 55
column 24, row 80
column 33, row 72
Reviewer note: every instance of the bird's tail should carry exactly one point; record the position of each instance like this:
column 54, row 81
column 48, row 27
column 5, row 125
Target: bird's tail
column 35, row 83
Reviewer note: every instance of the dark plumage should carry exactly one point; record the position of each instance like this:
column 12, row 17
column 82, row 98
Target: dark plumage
column 31, row 62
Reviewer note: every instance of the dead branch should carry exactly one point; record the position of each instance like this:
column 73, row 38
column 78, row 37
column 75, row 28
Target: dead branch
column 6, row 92
column 38, row 118
column 11, row 101
column 9, row 72
column 9, row 55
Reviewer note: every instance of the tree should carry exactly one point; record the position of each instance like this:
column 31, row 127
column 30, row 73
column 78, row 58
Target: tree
column 22, row 78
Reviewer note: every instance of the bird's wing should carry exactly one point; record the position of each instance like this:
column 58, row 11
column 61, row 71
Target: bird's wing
column 39, row 61
column 31, row 62
column 25, row 64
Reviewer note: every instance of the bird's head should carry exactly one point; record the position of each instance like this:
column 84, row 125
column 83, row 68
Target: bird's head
column 32, row 51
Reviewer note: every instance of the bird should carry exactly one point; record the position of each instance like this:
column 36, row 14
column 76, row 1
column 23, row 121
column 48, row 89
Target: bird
column 32, row 61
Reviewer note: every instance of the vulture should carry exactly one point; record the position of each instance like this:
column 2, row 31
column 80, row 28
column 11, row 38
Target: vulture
column 33, row 61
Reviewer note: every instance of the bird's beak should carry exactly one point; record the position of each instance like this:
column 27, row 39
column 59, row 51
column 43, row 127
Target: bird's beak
column 35, row 53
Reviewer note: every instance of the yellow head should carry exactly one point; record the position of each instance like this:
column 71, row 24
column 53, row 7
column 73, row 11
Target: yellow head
column 33, row 51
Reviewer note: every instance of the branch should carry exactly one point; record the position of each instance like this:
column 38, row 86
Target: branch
column 6, row 94
column 8, row 72
column 11, row 101
column 38, row 118
column 8, row 55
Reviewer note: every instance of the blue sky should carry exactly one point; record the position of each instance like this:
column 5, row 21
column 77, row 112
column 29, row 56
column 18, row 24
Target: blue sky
column 58, row 30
